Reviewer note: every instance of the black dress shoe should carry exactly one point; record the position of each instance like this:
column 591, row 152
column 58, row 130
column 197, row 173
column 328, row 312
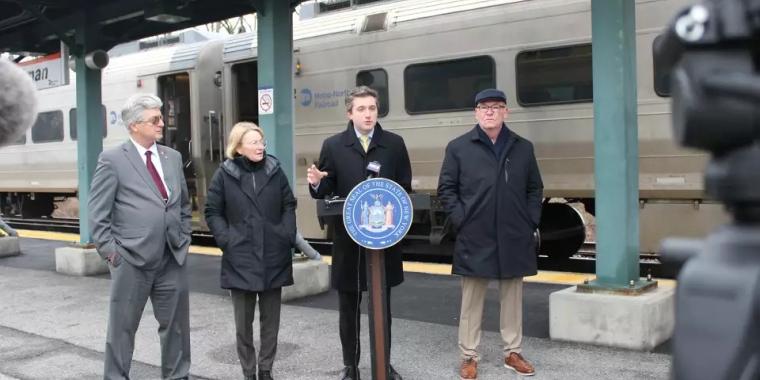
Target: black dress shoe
column 265, row 375
column 350, row 373
column 394, row 374
column 250, row 377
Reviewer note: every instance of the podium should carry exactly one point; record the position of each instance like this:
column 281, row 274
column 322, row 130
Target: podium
column 331, row 210
column 377, row 214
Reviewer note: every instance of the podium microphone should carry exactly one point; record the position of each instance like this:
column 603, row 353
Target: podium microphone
column 18, row 102
column 373, row 169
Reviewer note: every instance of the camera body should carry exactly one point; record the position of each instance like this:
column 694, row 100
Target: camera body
column 713, row 49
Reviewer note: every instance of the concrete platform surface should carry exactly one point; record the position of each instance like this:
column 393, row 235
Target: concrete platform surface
column 54, row 325
column 422, row 297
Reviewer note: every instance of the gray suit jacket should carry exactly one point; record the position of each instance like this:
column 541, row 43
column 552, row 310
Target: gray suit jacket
column 127, row 214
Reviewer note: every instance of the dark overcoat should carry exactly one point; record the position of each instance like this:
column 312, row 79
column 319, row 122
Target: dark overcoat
column 494, row 204
column 345, row 162
column 253, row 223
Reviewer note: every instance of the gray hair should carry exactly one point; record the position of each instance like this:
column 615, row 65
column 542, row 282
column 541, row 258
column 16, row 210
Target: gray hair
column 136, row 105
column 360, row 92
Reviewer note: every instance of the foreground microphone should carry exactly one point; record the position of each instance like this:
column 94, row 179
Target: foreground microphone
column 18, row 102
column 373, row 169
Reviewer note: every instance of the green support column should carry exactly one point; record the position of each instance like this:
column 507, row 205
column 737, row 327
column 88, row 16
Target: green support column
column 275, row 70
column 616, row 154
column 89, row 124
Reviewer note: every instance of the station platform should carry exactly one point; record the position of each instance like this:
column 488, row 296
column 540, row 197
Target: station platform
column 53, row 325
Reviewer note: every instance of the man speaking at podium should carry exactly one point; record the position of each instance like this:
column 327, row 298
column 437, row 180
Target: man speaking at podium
column 343, row 164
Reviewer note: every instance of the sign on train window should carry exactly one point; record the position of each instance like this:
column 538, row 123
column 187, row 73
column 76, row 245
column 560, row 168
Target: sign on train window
column 73, row 123
column 377, row 80
column 554, row 76
column 661, row 77
column 447, row 86
column 48, row 127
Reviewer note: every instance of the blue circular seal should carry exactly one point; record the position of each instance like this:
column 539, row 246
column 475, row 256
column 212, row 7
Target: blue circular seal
column 377, row 213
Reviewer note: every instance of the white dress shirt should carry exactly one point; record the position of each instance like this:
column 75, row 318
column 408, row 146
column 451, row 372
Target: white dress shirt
column 154, row 158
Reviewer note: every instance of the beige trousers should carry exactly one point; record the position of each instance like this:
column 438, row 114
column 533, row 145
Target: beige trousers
column 510, row 321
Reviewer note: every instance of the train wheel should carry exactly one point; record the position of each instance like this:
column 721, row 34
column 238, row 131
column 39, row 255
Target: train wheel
column 562, row 231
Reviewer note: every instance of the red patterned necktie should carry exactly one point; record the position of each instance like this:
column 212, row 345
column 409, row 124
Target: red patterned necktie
column 156, row 178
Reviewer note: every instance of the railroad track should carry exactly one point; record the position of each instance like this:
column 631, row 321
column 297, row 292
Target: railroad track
column 582, row 262
column 66, row 225
column 585, row 262
column 71, row 226
column 588, row 252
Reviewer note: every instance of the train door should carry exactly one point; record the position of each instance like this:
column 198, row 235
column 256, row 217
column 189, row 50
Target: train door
column 174, row 90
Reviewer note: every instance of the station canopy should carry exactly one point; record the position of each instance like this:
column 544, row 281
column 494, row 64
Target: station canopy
column 37, row 27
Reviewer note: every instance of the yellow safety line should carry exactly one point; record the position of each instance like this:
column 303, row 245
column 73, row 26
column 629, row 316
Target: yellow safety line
column 544, row 277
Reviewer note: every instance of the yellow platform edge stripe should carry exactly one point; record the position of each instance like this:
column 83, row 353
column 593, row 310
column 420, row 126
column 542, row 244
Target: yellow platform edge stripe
column 543, row 277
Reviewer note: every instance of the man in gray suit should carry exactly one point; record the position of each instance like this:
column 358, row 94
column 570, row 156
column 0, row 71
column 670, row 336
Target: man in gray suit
column 140, row 222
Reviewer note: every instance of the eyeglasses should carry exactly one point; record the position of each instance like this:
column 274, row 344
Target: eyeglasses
column 492, row 108
column 155, row 121
column 262, row 143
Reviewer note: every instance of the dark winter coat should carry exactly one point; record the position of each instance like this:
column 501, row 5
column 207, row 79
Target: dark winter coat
column 345, row 162
column 494, row 204
column 250, row 210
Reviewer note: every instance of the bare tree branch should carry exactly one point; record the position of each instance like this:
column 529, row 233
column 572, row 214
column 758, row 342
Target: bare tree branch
column 234, row 25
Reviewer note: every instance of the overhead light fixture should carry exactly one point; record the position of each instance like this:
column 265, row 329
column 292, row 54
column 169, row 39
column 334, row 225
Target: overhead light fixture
column 165, row 11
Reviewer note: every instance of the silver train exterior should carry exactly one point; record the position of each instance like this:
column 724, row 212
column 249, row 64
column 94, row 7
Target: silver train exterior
column 427, row 59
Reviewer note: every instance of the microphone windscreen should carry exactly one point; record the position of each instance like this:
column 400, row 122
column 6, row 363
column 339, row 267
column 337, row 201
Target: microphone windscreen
column 18, row 102
column 374, row 167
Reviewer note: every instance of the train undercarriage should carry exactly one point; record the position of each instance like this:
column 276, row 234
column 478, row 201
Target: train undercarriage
column 561, row 233
column 31, row 205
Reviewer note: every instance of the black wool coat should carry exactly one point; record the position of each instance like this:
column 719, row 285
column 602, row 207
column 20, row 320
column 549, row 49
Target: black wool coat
column 345, row 162
column 253, row 223
column 494, row 204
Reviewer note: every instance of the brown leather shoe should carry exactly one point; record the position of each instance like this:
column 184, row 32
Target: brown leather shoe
column 468, row 370
column 516, row 363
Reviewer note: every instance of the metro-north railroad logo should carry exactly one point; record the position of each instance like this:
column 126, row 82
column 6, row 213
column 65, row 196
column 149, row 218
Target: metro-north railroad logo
column 305, row 97
column 377, row 213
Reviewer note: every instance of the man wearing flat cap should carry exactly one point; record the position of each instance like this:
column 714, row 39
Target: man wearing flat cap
column 491, row 189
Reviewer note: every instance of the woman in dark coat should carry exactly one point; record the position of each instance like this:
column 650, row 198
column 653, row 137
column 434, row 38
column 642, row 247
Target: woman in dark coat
column 250, row 210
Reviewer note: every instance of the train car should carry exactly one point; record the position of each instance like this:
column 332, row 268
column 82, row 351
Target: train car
column 427, row 59
column 40, row 169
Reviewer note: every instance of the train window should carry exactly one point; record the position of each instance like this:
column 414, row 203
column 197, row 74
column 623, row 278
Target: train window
column 661, row 77
column 73, row 123
column 377, row 80
column 447, row 86
column 554, row 76
column 48, row 127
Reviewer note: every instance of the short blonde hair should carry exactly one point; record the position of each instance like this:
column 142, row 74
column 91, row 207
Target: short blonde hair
column 236, row 136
